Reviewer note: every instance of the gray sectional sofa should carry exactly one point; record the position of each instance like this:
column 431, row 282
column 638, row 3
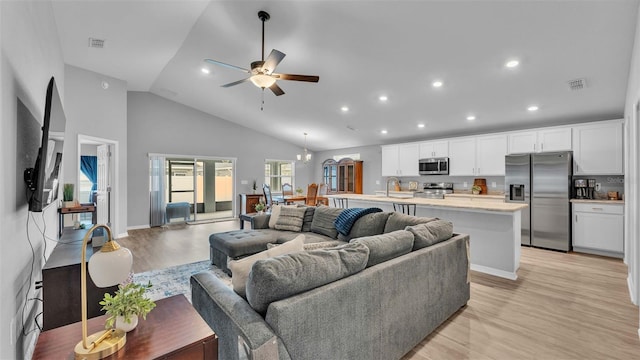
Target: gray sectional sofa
column 376, row 296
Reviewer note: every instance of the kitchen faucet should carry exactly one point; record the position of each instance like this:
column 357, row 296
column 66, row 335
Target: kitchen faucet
column 389, row 179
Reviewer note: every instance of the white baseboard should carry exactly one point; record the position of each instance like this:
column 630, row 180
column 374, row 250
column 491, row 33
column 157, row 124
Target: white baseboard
column 632, row 290
column 495, row 272
column 122, row 235
column 138, row 227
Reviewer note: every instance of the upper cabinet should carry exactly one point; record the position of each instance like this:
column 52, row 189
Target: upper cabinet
column 597, row 148
column 400, row 160
column 433, row 149
column 479, row 155
column 541, row 140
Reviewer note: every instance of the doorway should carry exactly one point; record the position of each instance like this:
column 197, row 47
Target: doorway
column 205, row 184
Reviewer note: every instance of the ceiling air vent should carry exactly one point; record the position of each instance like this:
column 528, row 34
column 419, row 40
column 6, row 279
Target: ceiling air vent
column 577, row 84
column 96, row 43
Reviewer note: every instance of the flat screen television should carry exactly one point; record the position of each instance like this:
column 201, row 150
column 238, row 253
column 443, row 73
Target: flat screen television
column 42, row 178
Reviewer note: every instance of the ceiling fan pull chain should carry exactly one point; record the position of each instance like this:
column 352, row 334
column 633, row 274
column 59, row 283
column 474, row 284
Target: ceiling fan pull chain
column 262, row 96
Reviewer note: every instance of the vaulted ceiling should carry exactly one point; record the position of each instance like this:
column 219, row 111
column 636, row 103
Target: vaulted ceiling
column 363, row 50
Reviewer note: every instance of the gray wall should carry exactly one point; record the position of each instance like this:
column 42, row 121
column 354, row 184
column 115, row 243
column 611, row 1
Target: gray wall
column 99, row 113
column 158, row 125
column 29, row 56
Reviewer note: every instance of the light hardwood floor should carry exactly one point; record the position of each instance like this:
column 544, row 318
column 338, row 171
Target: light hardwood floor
column 563, row 306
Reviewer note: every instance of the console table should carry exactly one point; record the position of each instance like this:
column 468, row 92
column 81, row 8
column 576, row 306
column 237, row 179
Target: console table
column 83, row 208
column 173, row 330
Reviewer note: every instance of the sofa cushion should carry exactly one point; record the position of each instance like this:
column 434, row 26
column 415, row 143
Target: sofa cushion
column 308, row 217
column 399, row 221
column 281, row 277
column 241, row 268
column 385, row 247
column 430, row 233
column 290, row 218
column 323, row 218
column 368, row 225
column 315, row 245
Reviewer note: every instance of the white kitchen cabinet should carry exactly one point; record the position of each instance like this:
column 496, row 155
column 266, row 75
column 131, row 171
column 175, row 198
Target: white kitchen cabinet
column 598, row 228
column 462, row 156
column 433, row 149
column 597, row 148
column 400, row 160
column 475, row 156
column 541, row 140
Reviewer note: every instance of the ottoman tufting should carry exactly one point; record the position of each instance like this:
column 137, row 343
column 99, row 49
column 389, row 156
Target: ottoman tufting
column 236, row 244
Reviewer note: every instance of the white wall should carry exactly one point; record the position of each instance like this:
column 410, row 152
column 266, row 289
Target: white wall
column 30, row 55
column 632, row 172
column 100, row 113
column 158, row 125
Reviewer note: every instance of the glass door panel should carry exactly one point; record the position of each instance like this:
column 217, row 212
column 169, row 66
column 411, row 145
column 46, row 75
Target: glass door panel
column 350, row 178
column 181, row 183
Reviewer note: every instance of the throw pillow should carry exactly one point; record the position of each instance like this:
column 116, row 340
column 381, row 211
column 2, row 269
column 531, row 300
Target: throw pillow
column 275, row 214
column 241, row 268
column 308, row 217
column 323, row 219
column 431, row 233
column 287, row 275
column 385, row 247
column 290, row 218
column 368, row 225
column 399, row 221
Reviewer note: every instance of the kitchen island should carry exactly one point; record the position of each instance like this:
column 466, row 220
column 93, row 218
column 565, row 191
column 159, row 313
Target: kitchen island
column 494, row 227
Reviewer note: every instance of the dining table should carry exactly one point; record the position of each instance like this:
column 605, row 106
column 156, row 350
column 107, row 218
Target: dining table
column 290, row 199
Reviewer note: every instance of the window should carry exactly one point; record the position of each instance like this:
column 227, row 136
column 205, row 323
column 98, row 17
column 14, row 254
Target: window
column 278, row 172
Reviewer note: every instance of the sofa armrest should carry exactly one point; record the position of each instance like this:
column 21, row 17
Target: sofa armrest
column 242, row 332
column 260, row 221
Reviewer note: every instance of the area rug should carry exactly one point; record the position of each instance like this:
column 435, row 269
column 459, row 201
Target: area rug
column 175, row 280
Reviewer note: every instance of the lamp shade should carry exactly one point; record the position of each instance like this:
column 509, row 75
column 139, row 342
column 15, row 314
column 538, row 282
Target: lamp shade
column 110, row 267
column 262, row 80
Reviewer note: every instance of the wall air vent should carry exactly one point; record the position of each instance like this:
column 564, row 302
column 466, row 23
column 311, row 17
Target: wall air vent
column 351, row 128
column 96, row 43
column 577, row 84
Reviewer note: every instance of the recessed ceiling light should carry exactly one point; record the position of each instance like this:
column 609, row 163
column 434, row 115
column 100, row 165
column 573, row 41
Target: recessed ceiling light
column 420, row 126
column 471, row 117
column 383, row 131
column 383, row 98
column 512, row 63
column 533, row 108
column 205, row 70
column 437, row 84
column 344, row 108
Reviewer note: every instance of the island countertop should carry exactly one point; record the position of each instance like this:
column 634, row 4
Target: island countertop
column 447, row 202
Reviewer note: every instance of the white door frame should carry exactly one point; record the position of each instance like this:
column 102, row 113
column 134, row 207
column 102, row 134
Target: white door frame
column 115, row 168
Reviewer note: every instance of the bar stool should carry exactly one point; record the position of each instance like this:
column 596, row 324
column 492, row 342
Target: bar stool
column 341, row 203
column 405, row 208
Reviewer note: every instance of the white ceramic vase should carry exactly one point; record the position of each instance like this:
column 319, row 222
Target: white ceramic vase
column 125, row 326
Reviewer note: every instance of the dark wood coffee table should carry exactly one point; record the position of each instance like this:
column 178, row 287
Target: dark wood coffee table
column 173, row 330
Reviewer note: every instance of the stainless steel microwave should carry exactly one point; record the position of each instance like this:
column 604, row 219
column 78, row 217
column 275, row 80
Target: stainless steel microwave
column 434, row 166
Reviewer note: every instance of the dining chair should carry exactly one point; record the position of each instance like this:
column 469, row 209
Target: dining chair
column 322, row 193
column 287, row 189
column 312, row 194
column 267, row 196
column 408, row 209
column 341, row 203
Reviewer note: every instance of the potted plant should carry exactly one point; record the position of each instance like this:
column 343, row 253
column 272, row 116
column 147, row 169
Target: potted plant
column 299, row 191
column 67, row 195
column 475, row 189
column 259, row 207
column 126, row 305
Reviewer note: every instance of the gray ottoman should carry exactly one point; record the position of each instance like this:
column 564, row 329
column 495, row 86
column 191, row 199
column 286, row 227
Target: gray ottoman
column 237, row 244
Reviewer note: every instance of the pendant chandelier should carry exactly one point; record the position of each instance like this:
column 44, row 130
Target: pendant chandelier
column 305, row 156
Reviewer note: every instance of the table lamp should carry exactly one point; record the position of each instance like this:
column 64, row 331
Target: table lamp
column 109, row 266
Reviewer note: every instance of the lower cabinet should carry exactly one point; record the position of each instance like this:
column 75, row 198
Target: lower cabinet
column 598, row 229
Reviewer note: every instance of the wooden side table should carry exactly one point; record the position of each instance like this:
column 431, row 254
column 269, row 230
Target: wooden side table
column 173, row 330
column 82, row 208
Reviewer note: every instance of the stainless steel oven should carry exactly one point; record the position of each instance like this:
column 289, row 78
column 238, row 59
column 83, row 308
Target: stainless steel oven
column 434, row 166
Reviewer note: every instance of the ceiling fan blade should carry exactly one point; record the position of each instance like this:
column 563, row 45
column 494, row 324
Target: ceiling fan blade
column 272, row 61
column 234, row 83
column 215, row 62
column 309, row 78
column 276, row 89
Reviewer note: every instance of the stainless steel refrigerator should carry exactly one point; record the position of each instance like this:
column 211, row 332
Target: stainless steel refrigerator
column 542, row 181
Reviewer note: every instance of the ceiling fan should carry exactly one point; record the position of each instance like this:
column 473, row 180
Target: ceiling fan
column 262, row 74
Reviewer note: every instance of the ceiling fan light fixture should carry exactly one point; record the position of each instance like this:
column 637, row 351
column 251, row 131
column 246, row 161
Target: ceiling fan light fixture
column 262, row 80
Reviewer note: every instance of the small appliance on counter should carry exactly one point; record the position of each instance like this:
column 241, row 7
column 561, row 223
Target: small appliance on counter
column 584, row 188
column 435, row 190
